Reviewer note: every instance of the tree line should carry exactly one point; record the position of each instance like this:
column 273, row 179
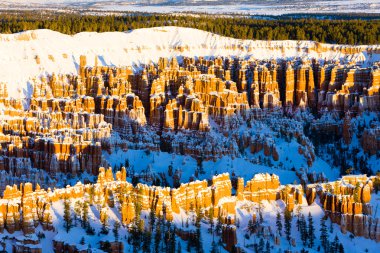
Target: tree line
column 354, row 32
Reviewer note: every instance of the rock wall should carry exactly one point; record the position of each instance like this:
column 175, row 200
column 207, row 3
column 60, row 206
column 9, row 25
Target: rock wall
column 346, row 202
column 69, row 119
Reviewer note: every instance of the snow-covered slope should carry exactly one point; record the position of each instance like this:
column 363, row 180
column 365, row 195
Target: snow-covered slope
column 32, row 53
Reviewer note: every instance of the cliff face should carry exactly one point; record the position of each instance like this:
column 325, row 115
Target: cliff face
column 23, row 208
column 70, row 118
column 346, row 202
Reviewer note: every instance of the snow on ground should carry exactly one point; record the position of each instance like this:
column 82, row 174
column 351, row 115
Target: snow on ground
column 160, row 161
column 59, row 53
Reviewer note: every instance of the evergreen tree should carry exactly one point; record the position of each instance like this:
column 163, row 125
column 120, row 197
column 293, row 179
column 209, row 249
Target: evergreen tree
column 341, row 248
column 331, row 227
column 303, row 230
column 344, row 31
column 288, row 224
column 298, row 217
column 147, row 240
column 179, row 248
column 115, row 230
column 157, row 236
column 172, row 240
column 323, row 238
column 106, row 246
column 311, row 230
column 218, row 227
column 279, row 223
column 188, row 248
column 67, row 215
column 267, row 247
column 77, row 211
column 85, row 214
column 199, row 244
column 335, row 245
column 211, row 220
column 104, row 230
column 82, row 241
column 152, row 217
column 214, row 248
column 261, row 245
column 251, row 226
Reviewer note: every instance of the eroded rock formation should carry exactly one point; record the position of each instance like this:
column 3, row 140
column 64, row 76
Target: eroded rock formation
column 346, row 202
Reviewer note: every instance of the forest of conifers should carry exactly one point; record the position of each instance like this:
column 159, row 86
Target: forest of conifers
column 342, row 31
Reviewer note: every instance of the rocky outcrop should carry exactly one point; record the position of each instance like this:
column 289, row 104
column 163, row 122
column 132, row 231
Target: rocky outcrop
column 346, row 202
column 70, row 118
column 28, row 243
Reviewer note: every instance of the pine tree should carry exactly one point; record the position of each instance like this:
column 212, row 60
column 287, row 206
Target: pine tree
column 188, row 247
column 323, row 238
column 251, row 226
column 136, row 235
column 77, row 211
column 104, row 230
column 218, row 227
column 261, row 245
column 298, row 217
column 115, row 230
column 311, row 230
column 335, row 245
column 199, row 244
column 211, row 220
column 67, row 215
column 85, row 214
column 267, row 247
column 179, row 248
column 288, row 224
column 106, row 246
column 152, row 217
column 157, row 236
column 303, row 230
column 279, row 223
column 214, row 248
column 341, row 248
column 147, row 239
column 172, row 240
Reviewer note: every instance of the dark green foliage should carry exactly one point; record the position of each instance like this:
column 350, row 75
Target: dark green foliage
column 279, row 223
column 214, row 248
column 349, row 31
column 261, row 245
column 179, row 248
column 67, row 215
column 84, row 220
column 335, row 245
column 288, row 224
column 341, row 248
column 310, row 232
column 267, row 247
column 303, row 230
column 106, row 246
column 323, row 238
column 115, row 230
column 147, row 240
